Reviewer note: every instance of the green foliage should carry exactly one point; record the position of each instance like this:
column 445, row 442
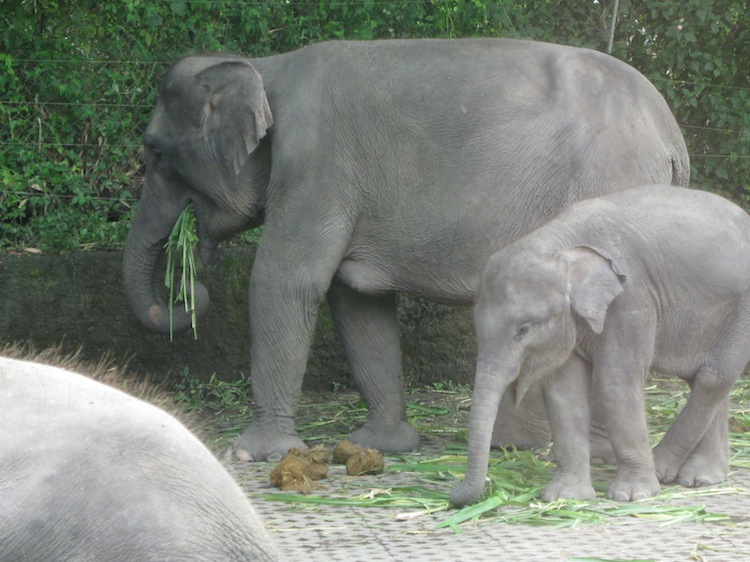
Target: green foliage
column 77, row 83
column 215, row 395
column 697, row 53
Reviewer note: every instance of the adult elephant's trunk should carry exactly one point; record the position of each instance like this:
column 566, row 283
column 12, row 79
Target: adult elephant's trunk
column 489, row 386
column 143, row 284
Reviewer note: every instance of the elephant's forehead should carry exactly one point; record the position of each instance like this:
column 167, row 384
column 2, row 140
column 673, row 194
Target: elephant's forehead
column 182, row 72
column 189, row 67
column 531, row 293
column 178, row 93
column 535, row 297
column 528, row 275
column 178, row 75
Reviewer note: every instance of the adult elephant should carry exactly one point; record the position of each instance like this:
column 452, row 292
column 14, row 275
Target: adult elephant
column 380, row 167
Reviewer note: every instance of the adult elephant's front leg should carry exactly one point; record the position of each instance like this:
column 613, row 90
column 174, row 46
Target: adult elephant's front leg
column 286, row 287
column 281, row 331
column 695, row 449
column 368, row 329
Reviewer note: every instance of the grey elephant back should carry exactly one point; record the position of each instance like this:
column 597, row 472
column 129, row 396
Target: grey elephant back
column 90, row 473
column 462, row 146
column 476, row 98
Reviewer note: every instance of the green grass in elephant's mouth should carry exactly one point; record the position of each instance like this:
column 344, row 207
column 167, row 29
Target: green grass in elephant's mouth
column 180, row 250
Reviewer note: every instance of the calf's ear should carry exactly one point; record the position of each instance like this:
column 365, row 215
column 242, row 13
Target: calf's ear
column 594, row 281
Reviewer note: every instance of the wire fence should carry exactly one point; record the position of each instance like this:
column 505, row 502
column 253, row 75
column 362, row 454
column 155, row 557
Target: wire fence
column 33, row 122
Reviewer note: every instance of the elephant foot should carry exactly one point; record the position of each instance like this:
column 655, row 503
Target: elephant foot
column 707, row 464
column 698, row 470
column 631, row 487
column 265, row 443
column 568, row 487
column 386, row 436
column 666, row 463
column 701, row 472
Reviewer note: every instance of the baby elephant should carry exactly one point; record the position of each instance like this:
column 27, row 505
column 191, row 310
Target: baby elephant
column 90, row 473
column 652, row 277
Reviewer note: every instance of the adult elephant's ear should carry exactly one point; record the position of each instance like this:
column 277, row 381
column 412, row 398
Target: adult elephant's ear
column 236, row 114
column 593, row 283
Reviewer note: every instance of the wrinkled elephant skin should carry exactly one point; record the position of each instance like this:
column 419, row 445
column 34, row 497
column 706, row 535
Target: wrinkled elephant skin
column 379, row 167
column 90, row 473
column 655, row 277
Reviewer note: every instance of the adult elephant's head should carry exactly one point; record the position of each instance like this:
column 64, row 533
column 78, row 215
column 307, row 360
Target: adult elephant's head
column 203, row 145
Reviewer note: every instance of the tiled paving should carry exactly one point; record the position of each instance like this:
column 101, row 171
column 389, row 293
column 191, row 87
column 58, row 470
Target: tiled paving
column 335, row 533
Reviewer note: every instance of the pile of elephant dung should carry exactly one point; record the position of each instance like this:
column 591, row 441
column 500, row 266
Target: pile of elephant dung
column 299, row 469
column 358, row 461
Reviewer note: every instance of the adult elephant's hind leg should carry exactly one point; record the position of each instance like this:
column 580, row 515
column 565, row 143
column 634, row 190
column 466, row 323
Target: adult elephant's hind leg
column 368, row 329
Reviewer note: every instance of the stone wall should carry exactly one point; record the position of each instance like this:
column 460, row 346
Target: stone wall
column 77, row 301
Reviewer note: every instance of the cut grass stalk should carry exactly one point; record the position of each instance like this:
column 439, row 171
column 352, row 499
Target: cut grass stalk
column 182, row 241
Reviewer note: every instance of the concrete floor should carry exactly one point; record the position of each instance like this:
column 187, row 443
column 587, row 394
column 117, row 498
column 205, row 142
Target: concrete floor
column 334, row 533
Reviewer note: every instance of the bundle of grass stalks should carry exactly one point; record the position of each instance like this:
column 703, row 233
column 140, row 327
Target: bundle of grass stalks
column 180, row 250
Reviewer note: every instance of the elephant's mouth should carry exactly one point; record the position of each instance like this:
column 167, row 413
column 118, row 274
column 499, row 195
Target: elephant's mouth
column 208, row 242
column 235, row 222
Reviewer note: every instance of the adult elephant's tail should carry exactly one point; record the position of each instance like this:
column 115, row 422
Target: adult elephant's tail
column 680, row 159
column 680, row 168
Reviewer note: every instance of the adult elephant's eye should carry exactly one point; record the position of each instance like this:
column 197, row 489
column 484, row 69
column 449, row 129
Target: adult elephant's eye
column 522, row 331
column 153, row 156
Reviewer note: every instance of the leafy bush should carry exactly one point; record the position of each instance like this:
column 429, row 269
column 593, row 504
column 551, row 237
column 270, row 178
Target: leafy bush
column 698, row 54
column 78, row 84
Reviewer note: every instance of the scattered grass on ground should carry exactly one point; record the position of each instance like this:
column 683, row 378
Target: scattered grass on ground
column 516, row 478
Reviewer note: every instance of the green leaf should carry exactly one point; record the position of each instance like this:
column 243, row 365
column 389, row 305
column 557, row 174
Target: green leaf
column 179, row 8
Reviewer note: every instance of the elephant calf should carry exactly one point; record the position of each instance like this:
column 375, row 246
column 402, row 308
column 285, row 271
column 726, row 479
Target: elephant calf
column 651, row 277
column 90, row 473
